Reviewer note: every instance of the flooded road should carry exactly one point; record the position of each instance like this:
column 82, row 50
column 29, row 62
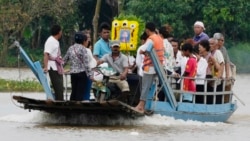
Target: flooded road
column 17, row 124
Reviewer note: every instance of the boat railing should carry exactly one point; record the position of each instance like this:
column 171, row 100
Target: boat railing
column 225, row 93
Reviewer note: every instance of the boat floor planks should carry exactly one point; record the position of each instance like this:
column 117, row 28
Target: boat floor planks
column 111, row 107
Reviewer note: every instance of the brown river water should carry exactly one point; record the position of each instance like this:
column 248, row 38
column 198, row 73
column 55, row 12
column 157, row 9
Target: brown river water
column 17, row 124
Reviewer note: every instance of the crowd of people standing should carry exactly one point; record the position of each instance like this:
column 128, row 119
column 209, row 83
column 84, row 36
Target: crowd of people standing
column 198, row 57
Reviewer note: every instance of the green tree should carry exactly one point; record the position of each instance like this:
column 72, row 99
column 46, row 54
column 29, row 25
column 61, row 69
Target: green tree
column 228, row 17
column 16, row 15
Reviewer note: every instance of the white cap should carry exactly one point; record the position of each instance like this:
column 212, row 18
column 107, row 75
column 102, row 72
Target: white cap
column 115, row 43
column 199, row 23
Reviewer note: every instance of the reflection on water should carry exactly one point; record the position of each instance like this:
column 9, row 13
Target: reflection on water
column 19, row 124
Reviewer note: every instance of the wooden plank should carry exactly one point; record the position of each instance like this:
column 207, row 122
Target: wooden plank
column 112, row 107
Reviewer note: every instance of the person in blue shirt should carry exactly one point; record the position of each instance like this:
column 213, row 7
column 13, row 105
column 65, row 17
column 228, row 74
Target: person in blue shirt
column 199, row 32
column 102, row 47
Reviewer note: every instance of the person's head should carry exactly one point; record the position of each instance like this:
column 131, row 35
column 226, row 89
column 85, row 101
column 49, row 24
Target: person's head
column 170, row 37
column 198, row 27
column 81, row 38
column 213, row 43
column 56, row 31
column 196, row 51
column 115, row 46
column 143, row 37
column 175, row 45
column 187, row 49
column 104, row 31
column 190, row 41
column 150, row 28
column 163, row 33
column 203, row 47
column 220, row 38
column 87, row 33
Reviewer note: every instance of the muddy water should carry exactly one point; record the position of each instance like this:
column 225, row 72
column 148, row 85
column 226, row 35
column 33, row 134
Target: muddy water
column 17, row 124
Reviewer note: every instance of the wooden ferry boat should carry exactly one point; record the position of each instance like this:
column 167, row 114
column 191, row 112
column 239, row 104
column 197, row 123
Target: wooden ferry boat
column 173, row 105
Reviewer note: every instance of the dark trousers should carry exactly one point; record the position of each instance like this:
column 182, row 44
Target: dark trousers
column 211, row 89
column 199, row 98
column 88, row 85
column 219, row 97
column 57, row 84
column 78, row 84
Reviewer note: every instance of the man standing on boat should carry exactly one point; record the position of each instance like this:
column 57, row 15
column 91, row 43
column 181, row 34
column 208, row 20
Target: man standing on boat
column 148, row 67
column 52, row 55
column 199, row 32
column 102, row 46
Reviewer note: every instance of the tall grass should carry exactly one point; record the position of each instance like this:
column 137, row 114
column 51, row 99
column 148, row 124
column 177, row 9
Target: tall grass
column 239, row 54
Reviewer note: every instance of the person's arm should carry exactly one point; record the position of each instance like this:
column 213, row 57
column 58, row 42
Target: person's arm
column 227, row 69
column 222, row 67
column 145, row 46
column 201, row 69
column 96, row 51
column 96, row 57
column 221, row 61
column 86, row 63
column 187, row 68
column 216, row 65
column 185, row 74
column 123, row 75
column 45, row 61
column 102, row 60
column 125, row 65
column 227, row 63
column 99, row 62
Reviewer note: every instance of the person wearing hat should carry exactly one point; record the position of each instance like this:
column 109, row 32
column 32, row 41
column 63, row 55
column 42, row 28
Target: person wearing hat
column 80, row 70
column 119, row 63
column 199, row 32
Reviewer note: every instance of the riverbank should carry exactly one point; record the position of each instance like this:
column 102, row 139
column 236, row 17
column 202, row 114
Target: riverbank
column 17, row 74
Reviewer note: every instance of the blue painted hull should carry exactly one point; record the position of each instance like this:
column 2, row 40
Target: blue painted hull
column 196, row 112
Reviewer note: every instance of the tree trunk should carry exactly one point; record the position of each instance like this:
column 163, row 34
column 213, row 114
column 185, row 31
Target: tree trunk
column 120, row 5
column 96, row 19
column 39, row 36
column 3, row 60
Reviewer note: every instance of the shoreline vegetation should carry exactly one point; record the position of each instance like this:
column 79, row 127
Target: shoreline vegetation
column 20, row 86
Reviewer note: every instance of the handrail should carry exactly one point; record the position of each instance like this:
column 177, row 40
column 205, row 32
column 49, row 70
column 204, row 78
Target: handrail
column 162, row 76
column 205, row 93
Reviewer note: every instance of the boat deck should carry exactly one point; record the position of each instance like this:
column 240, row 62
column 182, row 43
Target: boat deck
column 112, row 107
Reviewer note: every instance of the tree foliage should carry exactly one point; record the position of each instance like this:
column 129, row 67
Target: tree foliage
column 17, row 15
column 228, row 17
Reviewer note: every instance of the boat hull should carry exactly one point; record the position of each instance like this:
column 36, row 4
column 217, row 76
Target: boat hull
column 196, row 112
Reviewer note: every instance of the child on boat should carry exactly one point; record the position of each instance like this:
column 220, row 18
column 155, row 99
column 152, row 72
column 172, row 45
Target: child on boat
column 190, row 72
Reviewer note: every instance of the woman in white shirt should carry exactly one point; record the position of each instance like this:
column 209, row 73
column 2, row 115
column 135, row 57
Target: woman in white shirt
column 92, row 64
column 200, row 74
